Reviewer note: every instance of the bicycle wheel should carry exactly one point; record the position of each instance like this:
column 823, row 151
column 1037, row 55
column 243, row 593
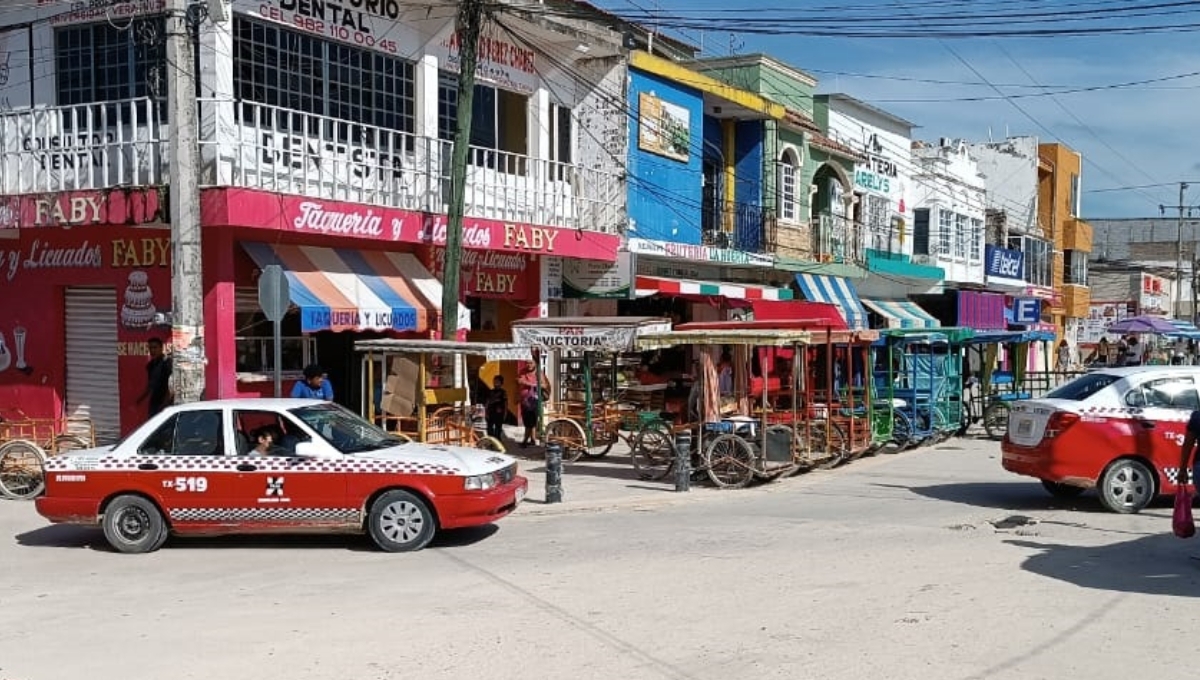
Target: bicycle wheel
column 837, row 448
column 995, row 419
column 568, row 434
column 902, row 431
column 603, row 438
column 653, row 453
column 729, row 461
column 21, row 469
column 940, row 425
column 490, row 444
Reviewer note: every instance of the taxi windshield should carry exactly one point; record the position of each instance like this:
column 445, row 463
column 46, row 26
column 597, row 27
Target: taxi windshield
column 346, row 431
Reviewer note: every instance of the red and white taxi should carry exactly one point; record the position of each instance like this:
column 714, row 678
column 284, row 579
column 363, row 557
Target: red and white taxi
column 194, row 470
column 1117, row 429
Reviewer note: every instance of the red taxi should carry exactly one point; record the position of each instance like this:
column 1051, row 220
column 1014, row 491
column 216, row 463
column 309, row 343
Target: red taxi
column 205, row 468
column 1118, row 430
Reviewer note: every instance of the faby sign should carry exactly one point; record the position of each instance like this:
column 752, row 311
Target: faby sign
column 79, row 208
column 486, row 273
column 263, row 210
column 78, row 255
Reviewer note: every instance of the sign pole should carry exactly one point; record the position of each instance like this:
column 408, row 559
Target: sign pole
column 274, row 298
column 277, row 336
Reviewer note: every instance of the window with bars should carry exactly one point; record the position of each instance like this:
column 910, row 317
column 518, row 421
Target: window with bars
column 499, row 122
column 962, row 234
column 302, row 73
column 945, row 232
column 103, row 64
column 976, row 247
column 1075, row 270
column 787, row 187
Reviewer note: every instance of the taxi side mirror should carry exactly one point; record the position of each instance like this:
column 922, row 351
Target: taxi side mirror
column 307, row 450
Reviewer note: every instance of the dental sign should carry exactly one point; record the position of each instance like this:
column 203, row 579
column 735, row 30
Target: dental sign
column 372, row 24
column 1004, row 263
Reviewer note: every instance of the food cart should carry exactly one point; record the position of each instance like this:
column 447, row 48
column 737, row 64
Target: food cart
column 918, row 374
column 998, row 380
column 589, row 406
column 421, row 388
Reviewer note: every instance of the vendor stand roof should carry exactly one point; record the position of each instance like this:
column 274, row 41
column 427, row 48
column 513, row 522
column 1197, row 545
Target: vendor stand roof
column 493, row 351
column 733, row 336
column 819, row 330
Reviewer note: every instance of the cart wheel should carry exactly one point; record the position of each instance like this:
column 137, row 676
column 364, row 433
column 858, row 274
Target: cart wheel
column 569, row 434
column 21, row 469
column 773, row 470
column 832, row 435
column 729, row 461
column 940, row 426
column 653, row 453
column 603, row 439
column 490, row 444
column 68, row 442
column 902, row 431
column 995, row 419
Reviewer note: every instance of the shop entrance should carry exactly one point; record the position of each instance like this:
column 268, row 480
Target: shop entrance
column 92, row 379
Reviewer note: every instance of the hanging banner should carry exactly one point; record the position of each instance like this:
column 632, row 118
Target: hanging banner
column 592, row 279
column 377, row 25
column 502, row 61
column 614, row 338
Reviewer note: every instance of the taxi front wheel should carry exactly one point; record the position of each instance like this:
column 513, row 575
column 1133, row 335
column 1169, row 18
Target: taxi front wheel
column 401, row 521
column 133, row 524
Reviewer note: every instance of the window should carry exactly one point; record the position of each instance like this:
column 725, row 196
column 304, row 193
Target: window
column 285, row 431
column 255, row 343
column 976, row 246
column 1174, row 392
column 1082, row 387
column 878, row 225
column 921, row 231
column 787, row 186
column 1039, row 259
column 962, row 234
column 1075, row 267
column 101, row 63
column 1075, row 196
column 561, row 141
column 945, row 231
column 499, row 121
column 299, row 72
column 344, row 430
column 188, row 433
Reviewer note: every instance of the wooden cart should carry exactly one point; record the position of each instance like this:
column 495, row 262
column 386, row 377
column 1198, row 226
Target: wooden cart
column 26, row 442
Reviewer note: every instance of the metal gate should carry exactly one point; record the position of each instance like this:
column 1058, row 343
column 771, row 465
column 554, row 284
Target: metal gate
column 92, row 380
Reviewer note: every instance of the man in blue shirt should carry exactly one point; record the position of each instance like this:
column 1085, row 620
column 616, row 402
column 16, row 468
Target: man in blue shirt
column 314, row 386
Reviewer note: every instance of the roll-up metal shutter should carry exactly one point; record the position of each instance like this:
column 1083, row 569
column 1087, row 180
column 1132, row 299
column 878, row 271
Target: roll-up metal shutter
column 92, row 381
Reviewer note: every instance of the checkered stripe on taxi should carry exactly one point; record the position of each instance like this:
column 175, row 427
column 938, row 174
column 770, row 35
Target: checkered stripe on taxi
column 348, row 515
column 1163, row 415
column 261, row 464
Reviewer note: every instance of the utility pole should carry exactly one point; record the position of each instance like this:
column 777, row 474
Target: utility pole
column 1179, row 254
column 183, row 166
column 467, row 26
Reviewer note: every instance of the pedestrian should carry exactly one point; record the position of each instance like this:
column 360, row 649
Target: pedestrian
column 531, row 395
column 1191, row 433
column 158, row 379
column 1133, row 352
column 497, row 408
column 1064, row 356
column 315, row 385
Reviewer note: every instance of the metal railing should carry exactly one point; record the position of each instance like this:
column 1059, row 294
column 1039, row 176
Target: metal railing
column 89, row 146
column 838, row 240
column 267, row 147
column 739, row 226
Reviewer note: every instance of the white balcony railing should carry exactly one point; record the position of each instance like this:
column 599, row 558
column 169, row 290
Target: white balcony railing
column 89, row 146
column 125, row 143
column 288, row 151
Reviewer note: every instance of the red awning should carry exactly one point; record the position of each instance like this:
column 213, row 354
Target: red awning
column 816, row 315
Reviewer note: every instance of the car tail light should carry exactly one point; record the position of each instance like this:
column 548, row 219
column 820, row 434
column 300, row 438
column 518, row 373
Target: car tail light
column 1059, row 422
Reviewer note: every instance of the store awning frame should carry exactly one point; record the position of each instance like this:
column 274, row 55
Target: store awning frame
column 902, row 313
column 836, row 291
column 355, row 290
column 645, row 286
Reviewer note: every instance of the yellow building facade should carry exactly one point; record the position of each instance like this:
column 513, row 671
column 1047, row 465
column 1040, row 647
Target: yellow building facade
column 1060, row 194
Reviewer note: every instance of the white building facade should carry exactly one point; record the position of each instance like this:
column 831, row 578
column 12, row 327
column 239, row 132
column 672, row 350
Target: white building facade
column 949, row 204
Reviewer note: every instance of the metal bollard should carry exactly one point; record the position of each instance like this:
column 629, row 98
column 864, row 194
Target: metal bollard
column 683, row 461
column 554, row 473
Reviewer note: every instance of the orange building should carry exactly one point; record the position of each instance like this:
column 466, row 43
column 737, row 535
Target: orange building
column 1059, row 218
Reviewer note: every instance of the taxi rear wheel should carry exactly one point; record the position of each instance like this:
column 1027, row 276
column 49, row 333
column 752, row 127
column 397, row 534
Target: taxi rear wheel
column 1127, row 486
column 400, row 521
column 133, row 524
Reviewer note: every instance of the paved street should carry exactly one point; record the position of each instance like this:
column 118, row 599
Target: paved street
column 889, row 568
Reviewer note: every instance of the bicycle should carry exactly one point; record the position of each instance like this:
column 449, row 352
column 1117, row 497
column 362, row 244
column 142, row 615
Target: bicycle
column 26, row 442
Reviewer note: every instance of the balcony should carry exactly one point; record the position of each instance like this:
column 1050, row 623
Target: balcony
column 85, row 147
column 1076, row 300
column 838, row 240
column 1077, row 235
column 125, row 143
column 737, row 226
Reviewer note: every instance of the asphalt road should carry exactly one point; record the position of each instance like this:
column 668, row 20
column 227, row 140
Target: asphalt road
column 890, row 568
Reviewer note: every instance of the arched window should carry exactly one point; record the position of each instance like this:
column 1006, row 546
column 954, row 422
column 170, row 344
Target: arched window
column 789, row 177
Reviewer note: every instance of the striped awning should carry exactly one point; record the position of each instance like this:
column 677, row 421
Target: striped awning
column 654, row 285
column 837, row 291
column 902, row 314
column 1186, row 329
column 351, row 290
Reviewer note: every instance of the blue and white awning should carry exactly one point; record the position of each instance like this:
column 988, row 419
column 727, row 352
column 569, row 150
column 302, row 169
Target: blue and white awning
column 837, row 291
column 1186, row 330
column 902, row 314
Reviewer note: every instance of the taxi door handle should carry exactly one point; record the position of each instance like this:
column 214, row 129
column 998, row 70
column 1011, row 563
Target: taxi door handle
column 247, row 467
column 147, row 466
column 1148, row 424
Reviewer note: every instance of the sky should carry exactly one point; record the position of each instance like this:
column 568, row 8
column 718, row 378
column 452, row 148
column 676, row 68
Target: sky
column 1128, row 137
